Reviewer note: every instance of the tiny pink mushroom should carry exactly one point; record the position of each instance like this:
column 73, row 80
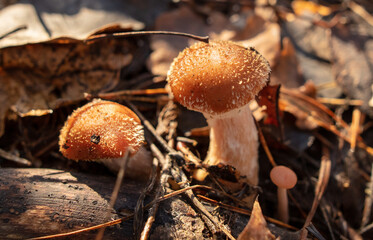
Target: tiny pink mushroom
column 284, row 178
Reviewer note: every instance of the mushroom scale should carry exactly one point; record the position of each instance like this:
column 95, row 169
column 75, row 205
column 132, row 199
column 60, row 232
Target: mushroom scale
column 217, row 77
column 101, row 130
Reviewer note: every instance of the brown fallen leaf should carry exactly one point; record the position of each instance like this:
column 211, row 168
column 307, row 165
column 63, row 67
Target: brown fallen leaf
column 300, row 7
column 261, row 34
column 309, row 113
column 36, row 78
column 286, row 71
column 45, row 19
column 256, row 228
column 166, row 48
column 352, row 54
column 268, row 97
column 255, row 32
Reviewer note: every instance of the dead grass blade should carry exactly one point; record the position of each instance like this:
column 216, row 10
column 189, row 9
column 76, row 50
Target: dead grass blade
column 144, row 33
column 115, row 192
column 368, row 202
column 355, row 128
column 245, row 212
column 319, row 107
column 131, row 92
column 14, row 158
column 322, row 182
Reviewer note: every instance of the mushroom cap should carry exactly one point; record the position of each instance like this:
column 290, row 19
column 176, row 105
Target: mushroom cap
column 283, row 177
column 101, row 130
column 217, row 77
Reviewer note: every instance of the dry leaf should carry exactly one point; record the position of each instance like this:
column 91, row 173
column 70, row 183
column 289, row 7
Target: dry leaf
column 256, row 228
column 353, row 62
column 166, row 48
column 313, row 51
column 255, row 32
column 41, row 76
column 46, row 19
column 286, row 71
column 268, row 97
column 308, row 112
column 300, row 7
column 261, row 34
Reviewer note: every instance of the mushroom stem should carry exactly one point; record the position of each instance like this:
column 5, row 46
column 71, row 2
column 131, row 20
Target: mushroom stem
column 234, row 141
column 282, row 207
column 139, row 165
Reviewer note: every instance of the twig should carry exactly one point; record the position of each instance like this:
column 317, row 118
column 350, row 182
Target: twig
column 22, row 27
column 359, row 10
column 323, row 179
column 14, row 158
column 115, row 192
column 355, row 128
column 340, row 101
column 368, row 202
column 174, row 154
column 117, row 221
column 152, row 130
column 316, row 104
column 132, row 92
column 325, row 214
column 331, row 128
column 142, row 33
column 189, row 156
column 264, row 145
column 366, row 228
column 245, row 212
column 187, row 140
column 139, row 210
column 107, row 224
column 160, row 192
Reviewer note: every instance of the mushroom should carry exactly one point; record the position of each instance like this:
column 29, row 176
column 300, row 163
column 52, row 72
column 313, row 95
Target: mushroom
column 219, row 79
column 104, row 131
column 284, row 178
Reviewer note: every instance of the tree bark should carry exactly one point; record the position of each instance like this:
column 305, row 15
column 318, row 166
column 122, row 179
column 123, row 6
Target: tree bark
column 39, row 202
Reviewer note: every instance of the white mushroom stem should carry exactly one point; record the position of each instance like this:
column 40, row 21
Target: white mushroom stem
column 234, row 141
column 282, row 207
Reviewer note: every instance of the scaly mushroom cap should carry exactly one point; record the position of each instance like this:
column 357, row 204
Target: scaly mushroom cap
column 283, row 177
column 217, row 77
column 101, row 130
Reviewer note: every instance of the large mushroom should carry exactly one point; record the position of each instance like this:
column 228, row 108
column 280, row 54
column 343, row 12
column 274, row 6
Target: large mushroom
column 219, row 79
column 104, row 131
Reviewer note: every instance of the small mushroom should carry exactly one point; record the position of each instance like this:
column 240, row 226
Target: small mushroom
column 219, row 79
column 104, row 131
column 284, row 178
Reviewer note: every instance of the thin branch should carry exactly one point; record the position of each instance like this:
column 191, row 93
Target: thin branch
column 115, row 192
column 245, row 212
column 368, row 202
column 144, row 33
column 160, row 192
column 22, row 27
column 139, row 210
column 264, row 145
column 132, row 92
column 322, row 182
column 120, row 220
column 152, row 130
column 14, row 158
